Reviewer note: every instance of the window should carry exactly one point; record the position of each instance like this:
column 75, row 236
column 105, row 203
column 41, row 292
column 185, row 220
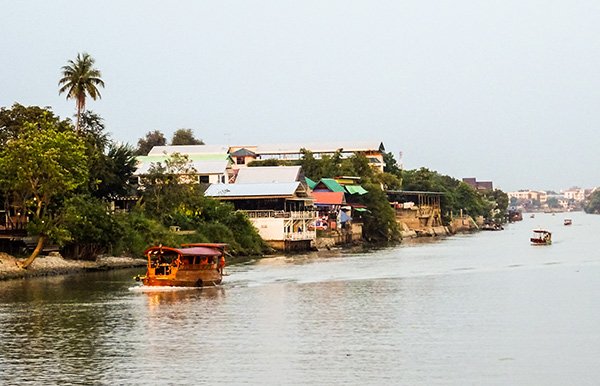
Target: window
column 240, row 160
column 203, row 179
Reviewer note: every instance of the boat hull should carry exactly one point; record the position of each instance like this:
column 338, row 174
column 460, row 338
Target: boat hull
column 185, row 278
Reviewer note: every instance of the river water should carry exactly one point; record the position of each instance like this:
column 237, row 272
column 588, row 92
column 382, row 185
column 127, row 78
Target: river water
column 485, row 308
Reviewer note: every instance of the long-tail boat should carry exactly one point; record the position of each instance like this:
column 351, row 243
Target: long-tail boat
column 191, row 265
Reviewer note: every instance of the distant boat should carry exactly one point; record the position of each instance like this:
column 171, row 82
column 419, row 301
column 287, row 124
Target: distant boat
column 541, row 237
column 568, row 221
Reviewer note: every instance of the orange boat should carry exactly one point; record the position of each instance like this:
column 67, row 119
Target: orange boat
column 192, row 265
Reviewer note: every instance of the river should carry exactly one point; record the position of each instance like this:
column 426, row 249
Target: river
column 485, row 308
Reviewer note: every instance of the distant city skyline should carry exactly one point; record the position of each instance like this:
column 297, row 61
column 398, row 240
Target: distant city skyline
column 503, row 91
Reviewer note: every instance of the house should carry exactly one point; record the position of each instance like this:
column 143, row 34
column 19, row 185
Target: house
column 208, row 164
column 479, row 185
column 201, row 168
column 280, row 211
column 373, row 150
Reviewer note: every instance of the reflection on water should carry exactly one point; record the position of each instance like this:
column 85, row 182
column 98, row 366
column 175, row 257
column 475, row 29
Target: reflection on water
column 471, row 309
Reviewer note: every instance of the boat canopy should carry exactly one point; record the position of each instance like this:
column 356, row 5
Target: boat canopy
column 541, row 231
column 193, row 251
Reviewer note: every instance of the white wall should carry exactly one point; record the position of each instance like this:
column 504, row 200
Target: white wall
column 269, row 228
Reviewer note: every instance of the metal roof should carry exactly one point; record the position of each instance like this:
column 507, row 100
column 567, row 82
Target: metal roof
column 189, row 149
column 282, row 189
column 193, row 251
column 320, row 147
column 266, row 174
column 331, row 184
column 201, row 167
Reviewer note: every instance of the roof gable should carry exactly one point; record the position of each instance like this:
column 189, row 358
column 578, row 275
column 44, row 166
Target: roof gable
column 329, row 184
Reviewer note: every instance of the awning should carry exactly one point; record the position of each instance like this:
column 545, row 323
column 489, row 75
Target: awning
column 328, row 198
column 356, row 189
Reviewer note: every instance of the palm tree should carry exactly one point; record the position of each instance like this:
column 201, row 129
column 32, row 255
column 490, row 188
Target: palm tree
column 79, row 80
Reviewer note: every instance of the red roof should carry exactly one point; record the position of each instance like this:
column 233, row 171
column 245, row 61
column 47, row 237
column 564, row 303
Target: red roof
column 328, row 198
column 194, row 251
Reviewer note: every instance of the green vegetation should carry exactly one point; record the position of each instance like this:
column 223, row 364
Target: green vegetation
column 185, row 137
column 42, row 164
column 79, row 80
column 379, row 221
column 492, row 205
column 592, row 204
column 62, row 182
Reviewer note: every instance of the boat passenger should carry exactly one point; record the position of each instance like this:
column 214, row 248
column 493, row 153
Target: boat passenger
column 221, row 264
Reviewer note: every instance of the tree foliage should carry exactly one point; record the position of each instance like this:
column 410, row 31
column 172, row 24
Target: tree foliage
column 458, row 196
column 152, row 138
column 185, row 137
column 79, row 80
column 110, row 164
column 13, row 120
column 592, row 205
column 39, row 166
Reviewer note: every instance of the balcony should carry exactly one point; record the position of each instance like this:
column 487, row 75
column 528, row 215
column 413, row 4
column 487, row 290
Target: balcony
column 304, row 215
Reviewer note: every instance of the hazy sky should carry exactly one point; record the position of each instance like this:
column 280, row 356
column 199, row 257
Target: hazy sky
column 505, row 90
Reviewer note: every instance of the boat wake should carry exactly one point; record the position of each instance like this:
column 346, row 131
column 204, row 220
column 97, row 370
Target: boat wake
column 145, row 288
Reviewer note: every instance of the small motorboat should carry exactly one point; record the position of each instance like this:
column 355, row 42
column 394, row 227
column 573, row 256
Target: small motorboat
column 568, row 221
column 541, row 237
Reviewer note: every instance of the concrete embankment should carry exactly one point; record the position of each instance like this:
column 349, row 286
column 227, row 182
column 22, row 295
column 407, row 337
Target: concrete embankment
column 54, row 264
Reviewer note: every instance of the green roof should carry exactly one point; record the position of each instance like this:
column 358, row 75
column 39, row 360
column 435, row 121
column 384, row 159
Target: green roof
column 356, row 189
column 311, row 184
column 331, row 184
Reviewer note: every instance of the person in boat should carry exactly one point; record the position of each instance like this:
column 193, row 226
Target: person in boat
column 221, row 264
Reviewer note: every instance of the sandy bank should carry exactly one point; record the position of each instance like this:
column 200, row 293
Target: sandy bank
column 56, row 265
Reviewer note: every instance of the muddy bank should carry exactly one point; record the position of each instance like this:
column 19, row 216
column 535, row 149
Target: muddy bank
column 54, row 264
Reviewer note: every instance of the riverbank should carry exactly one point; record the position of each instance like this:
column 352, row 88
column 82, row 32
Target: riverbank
column 54, row 264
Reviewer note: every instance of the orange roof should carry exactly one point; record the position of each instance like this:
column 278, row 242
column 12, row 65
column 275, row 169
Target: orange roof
column 328, row 198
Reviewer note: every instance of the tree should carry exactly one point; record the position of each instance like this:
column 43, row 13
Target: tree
column 110, row 165
column 153, row 138
column 13, row 119
column 391, row 166
column 185, row 137
column 42, row 164
column 166, row 183
column 79, row 80
column 592, row 204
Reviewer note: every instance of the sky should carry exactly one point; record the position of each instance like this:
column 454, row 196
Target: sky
column 507, row 90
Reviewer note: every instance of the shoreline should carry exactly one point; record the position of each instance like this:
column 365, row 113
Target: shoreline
column 54, row 264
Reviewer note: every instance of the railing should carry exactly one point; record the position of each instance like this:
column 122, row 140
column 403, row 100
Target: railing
column 308, row 235
column 309, row 215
